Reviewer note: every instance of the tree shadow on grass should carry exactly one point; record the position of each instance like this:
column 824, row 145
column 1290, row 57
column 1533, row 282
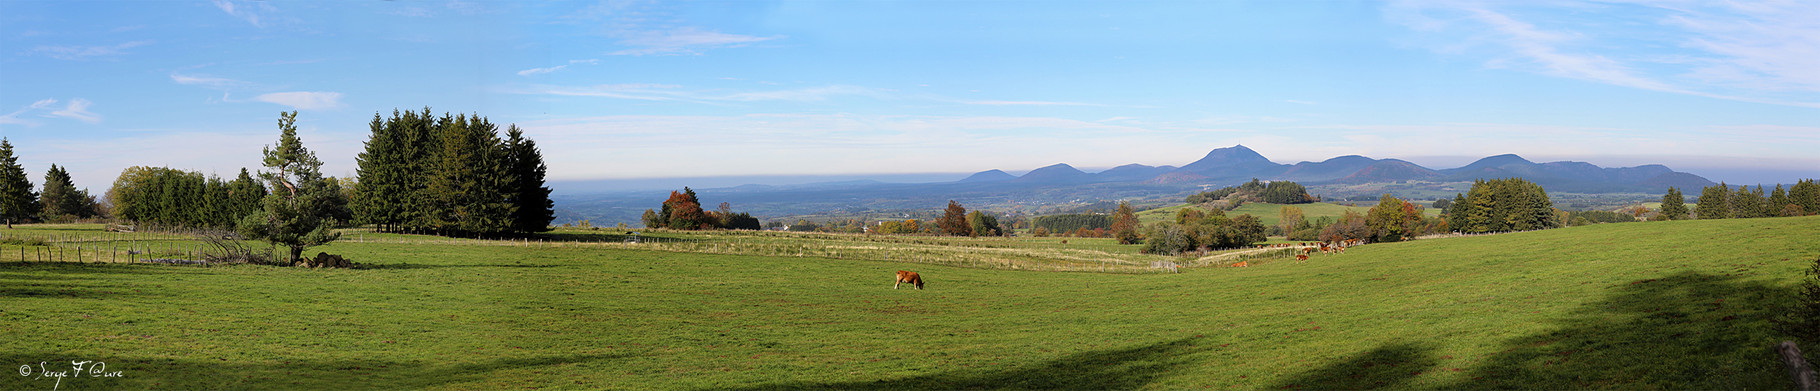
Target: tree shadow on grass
column 406, row 266
column 1389, row 366
column 65, row 280
column 200, row 373
column 1685, row 331
column 1107, row 369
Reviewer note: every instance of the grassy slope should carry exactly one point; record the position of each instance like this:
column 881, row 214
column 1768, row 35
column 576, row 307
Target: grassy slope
column 1650, row 305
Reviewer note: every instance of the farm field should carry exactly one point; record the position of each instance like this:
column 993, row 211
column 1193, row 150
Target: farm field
column 1637, row 305
column 1269, row 214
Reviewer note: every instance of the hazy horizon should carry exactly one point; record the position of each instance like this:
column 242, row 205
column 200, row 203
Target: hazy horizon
column 632, row 89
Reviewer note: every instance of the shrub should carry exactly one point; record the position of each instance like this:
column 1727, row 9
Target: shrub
column 1802, row 319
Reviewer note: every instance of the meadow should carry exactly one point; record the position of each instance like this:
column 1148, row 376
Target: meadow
column 1270, row 214
column 1679, row 304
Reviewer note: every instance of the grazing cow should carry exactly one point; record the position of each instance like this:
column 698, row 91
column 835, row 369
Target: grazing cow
column 1241, row 264
column 910, row 277
column 1301, row 257
column 1308, row 250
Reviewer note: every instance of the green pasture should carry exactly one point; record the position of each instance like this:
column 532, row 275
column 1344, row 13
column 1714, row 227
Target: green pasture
column 1677, row 305
column 1270, row 214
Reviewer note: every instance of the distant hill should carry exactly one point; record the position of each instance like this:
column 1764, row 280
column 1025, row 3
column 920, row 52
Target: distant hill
column 1063, row 185
column 1234, row 162
column 1390, row 170
column 1058, row 173
column 988, row 176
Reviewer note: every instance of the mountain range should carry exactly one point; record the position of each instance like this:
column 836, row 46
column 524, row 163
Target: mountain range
column 1061, row 187
column 1238, row 163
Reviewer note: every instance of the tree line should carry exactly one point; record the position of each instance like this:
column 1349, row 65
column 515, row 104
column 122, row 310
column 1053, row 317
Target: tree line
column 1275, row 192
column 59, row 200
column 1501, row 205
column 172, row 198
column 683, row 211
column 1195, row 230
column 1721, row 201
column 450, row 175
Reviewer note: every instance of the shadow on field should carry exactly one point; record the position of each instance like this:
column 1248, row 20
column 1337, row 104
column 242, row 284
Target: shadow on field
column 64, row 280
column 1097, row 370
column 202, row 372
column 406, row 266
column 1389, row 366
column 1685, row 331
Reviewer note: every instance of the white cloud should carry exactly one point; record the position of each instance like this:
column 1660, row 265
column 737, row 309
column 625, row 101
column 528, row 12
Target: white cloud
column 44, row 103
column 539, row 71
column 207, row 81
column 682, row 41
column 1763, row 52
column 248, row 11
column 303, row 100
column 76, row 52
column 77, row 110
column 814, row 94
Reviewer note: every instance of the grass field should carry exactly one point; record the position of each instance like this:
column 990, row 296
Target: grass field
column 1629, row 306
column 1269, row 214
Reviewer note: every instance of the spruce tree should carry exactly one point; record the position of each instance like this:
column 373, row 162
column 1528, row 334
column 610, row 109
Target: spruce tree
column 17, row 200
column 60, row 197
column 1674, row 206
column 1778, row 199
column 379, row 197
column 534, row 209
column 299, row 212
column 1713, row 203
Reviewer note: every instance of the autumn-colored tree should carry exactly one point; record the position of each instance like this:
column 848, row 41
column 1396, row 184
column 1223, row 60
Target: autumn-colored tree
column 685, row 211
column 1125, row 224
column 1291, row 217
column 954, row 220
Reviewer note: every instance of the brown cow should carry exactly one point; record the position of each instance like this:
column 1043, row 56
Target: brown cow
column 1241, row 264
column 910, row 277
column 1308, row 250
column 1301, row 257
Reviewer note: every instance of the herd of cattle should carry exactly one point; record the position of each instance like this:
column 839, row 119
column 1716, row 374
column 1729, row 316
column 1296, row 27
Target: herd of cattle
column 1307, row 248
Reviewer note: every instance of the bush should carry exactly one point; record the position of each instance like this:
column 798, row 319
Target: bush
column 1802, row 319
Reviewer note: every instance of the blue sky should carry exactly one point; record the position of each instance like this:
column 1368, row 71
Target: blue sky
column 631, row 89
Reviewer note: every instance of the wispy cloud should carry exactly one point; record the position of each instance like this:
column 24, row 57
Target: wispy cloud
column 682, row 41
column 1762, row 52
column 539, row 71
column 247, row 11
column 207, row 81
column 812, row 94
column 303, row 100
column 78, row 52
column 78, row 110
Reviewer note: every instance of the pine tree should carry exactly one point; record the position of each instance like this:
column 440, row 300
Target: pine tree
column 1806, row 195
column 298, row 213
column 1778, row 200
column 17, row 200
column 1714, row 202
column 1674, row 206
column 60, row 197
column 381, row 196
column 954, row 220
column 1459, row 214
column 534, row 210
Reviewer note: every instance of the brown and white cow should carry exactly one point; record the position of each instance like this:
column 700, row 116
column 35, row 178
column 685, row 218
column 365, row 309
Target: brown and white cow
column 909, row 277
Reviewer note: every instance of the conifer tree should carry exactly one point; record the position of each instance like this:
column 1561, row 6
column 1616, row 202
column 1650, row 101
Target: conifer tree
column 60, row 197
column 1806, row 195
column 1778, row 200
column 299, row 212
column 1674, row 206
column 534, row 209
column 1714, row 202
column 17, row 200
